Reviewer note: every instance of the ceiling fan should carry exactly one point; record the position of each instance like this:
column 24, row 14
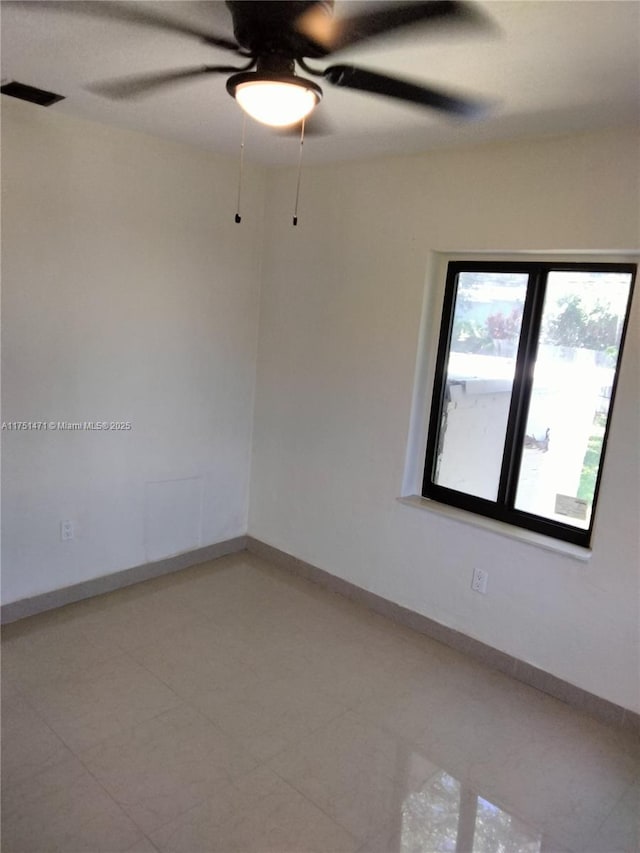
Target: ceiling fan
column 275, row 36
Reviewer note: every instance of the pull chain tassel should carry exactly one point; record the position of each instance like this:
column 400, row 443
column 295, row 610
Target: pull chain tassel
column 238, row 218
column 295, row 212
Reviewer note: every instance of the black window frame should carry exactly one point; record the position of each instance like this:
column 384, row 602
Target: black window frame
column 503, row 508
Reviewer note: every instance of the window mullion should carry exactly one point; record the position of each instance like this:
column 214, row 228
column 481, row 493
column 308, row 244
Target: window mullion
column 522, row 385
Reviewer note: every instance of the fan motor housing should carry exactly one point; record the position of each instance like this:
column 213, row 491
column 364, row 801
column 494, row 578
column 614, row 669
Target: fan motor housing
column 264, row 28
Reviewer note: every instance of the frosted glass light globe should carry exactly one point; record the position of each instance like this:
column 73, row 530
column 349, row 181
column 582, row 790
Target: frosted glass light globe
column 276, row 102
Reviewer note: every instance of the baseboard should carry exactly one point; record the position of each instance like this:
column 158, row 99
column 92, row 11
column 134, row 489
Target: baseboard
column 579, row 699
column 107, row 583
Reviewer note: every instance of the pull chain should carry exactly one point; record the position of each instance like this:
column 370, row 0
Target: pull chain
column 295, row 212
column 244, row 126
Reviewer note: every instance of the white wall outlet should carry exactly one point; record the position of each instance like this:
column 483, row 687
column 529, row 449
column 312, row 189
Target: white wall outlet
column 66, row 530
column 479, row 581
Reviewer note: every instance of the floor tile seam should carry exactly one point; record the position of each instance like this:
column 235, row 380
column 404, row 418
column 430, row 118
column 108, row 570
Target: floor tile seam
column 55, row 734
column 196, row 617
column 179, row 815
column 77, row 752
column 196, row 609
column 47, row 768
column 121, row 811
column 28, row 688
column 145, row 836
column 225, row 777
column 90, row 638
column 316, row 805
column 140, row 663
column 28, row 779
column 232, row 740
column 181, row 703
column 87, row 821
column 390, row 778
column 125, row 730
column 617, row 802
column 86, row 633
column 378, row 646
column 396, row 736
column 298, row 740
column 122, row 732
column 326, row 723
column 405, row 693
column 181, row 699
column 234, row 816
column 411, row 742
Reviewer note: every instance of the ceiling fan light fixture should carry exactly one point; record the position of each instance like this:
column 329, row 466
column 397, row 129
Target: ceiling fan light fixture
column 278, row 100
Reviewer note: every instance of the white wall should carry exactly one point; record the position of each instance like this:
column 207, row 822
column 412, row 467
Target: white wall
column 340, row 313
column 129, row 295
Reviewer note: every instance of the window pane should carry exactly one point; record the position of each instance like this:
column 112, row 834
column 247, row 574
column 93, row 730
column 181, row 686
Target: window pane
column 582, row 322
column 479, row 380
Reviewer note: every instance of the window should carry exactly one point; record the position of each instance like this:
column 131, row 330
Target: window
column 526, row 373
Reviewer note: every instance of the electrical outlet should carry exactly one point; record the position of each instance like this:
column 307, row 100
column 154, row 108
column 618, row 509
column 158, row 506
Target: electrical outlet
column 66, row 530
column 479, row 581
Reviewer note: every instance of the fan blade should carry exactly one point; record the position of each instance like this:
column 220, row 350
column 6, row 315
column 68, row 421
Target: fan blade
column 138, row 85
column 379, row 84
column 135, row 13
column 333, row 34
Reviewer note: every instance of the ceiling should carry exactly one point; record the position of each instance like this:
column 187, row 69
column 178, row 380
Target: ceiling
column 551, row 66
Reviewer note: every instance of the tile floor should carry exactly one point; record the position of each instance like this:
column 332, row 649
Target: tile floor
column 232, row 707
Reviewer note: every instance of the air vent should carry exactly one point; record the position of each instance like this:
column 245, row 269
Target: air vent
column 30, row 93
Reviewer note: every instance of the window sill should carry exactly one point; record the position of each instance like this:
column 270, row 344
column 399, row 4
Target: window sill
column 567, row 549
